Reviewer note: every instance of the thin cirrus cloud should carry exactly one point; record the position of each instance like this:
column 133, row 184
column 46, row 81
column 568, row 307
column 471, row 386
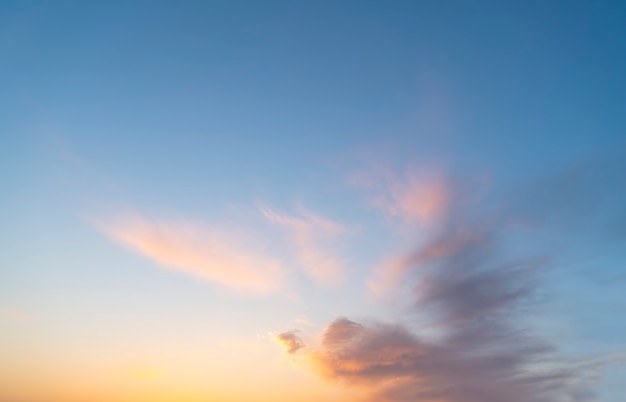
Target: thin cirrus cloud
column 423, row 200
column 463, row 339
column 213, row 255
column 422, row 197
column 418, row 196
column 316, row 240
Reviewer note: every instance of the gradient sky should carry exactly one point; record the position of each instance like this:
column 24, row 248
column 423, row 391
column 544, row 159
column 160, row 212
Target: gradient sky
column 340, row 201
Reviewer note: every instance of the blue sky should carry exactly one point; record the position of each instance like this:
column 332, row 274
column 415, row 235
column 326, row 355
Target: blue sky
column 286, row 155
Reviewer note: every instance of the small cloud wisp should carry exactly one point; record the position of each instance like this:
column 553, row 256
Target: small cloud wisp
column 290, row 341
column 315, row 239
column 420, row 196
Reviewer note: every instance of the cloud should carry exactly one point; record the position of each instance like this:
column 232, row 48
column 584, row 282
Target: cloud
column 213, row 255
column 496, row 365
column 390, row 274
column 422, row 197
column 480, row 353
column 418, row 196
column 290, row 341
column 316, row 242
column 467, row 285
column 472, row 298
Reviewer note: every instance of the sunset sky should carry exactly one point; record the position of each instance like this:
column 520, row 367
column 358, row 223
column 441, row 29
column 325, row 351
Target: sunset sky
column 304, row 201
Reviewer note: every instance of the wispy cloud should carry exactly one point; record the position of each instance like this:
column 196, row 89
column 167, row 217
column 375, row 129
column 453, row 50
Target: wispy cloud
column 416, row 196
column 317, row 243
column 421, row 197
column 426, row 202
column 214, row 255
column 390, row 273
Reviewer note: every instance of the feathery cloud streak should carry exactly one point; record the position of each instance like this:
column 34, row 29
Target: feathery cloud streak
column 210, row 254
column 416, row 197
column 315, row 239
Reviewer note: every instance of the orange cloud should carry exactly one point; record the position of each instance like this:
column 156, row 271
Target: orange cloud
column 290, row 341
column 210, row 254
column 315, row 240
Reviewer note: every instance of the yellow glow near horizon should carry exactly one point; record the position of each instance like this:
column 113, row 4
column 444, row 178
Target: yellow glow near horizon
column 220, row 369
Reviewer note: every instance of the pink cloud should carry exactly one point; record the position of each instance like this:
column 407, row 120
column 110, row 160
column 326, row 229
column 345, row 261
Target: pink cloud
column 315, row 239
column 422, row 198
column 210, row 254
column 419, row 197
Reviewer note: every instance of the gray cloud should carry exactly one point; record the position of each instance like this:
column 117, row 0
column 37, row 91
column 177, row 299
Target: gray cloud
column 481, row 355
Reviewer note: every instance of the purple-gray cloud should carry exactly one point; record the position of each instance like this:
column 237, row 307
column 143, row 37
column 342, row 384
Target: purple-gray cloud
column 470, row 286
column 473, row 299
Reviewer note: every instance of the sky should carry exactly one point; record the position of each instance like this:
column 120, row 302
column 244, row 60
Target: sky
column 346, row 201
